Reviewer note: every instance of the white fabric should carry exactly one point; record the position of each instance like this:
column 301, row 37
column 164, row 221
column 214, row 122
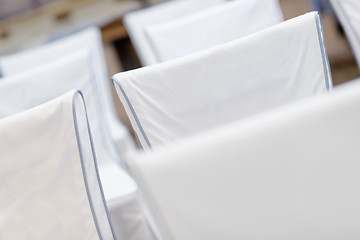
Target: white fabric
column 292, row 173
column 50, row 188
column 348, row 12
column 190, row 94
column 22, row 91
column 136, row 22
column 216, row 25
column 89, row 38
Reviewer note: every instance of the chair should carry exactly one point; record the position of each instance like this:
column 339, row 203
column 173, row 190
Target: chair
column 25, row 90
column 210, row 27
column 291, row 173
column 50, row 187
column 135, row 22
column 89, row 38
column 185, row 96
column 348, row 12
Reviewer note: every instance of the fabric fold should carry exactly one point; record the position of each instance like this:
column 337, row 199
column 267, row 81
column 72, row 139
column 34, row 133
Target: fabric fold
column 50, row 185
column 210, row 27
column 277, row 175
column 232, row 81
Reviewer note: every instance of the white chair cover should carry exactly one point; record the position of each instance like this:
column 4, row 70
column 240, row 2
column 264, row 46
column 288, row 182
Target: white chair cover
column 348, row 12
column 187, row 95
column 216, row 25
column 23, row 91
column 89, row 38
column 50, row 187
column 289, row 174
column 135, row 22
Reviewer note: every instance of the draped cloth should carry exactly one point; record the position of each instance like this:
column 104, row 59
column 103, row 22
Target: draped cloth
column 291, row 173
column 137, row 21
column 232, row 81
column 89, row 39
column 22, row 91
column 213, row 26
column 50, row 187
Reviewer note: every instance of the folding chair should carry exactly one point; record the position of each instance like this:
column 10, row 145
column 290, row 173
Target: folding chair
column 185, row 96
column 90, row 39
column 291, row 173
column 50, row 186
column 23, row 91
column 135, row 22
column 348, row 12
column 213, row 26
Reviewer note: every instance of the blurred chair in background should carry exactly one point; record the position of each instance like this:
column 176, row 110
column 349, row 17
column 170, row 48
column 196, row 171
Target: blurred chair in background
column 50, row 187
column 210, row 27
column 22, row 91
column 136, row 22
column 188, row 95
column 348, row 12
column 89, row 38
column 292, row 173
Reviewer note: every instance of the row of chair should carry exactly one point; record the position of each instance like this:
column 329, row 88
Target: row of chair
column 278, row 175
column 226, row 183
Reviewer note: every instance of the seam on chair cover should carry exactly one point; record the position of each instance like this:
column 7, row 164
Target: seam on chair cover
column 97, row 170
column 134, row 115
column 95, row 164
column 325, row 59
column 138, row 140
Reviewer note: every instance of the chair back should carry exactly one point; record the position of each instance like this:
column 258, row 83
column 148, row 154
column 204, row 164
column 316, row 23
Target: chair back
column 291, row 173
column 89, row 39
column 50, row 184
column 25, row 90
column 223, row 84
column 213, row 26
column 137, row 21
